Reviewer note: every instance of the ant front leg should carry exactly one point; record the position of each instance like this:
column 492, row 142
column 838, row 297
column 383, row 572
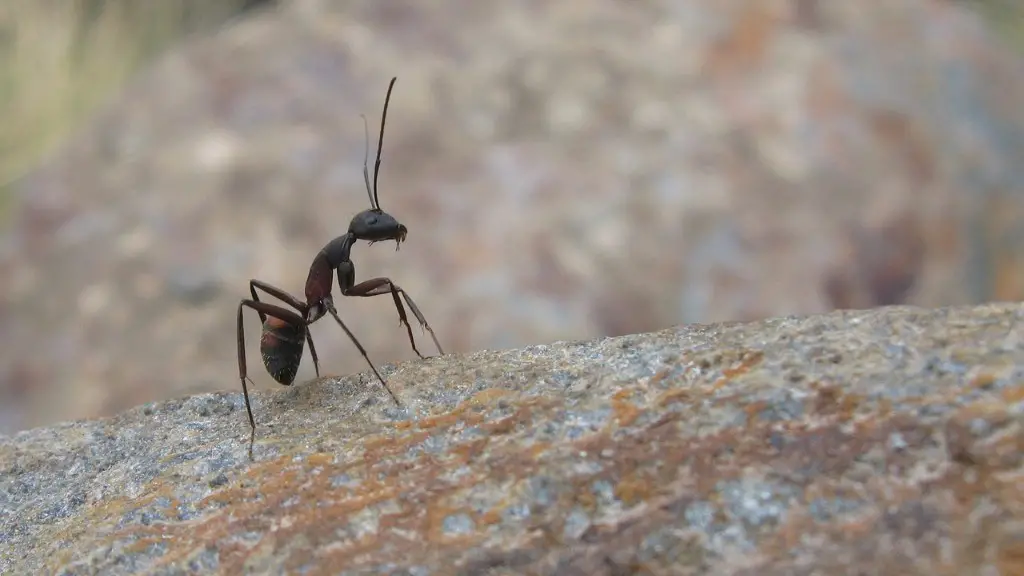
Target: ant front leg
column 291, row 301
column 330, row 308
column 378, row 286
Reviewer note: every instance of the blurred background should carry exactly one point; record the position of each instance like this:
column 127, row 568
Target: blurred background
column 566, row 170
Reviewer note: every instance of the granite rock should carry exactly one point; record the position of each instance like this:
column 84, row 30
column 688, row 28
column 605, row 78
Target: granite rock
column 887, row 441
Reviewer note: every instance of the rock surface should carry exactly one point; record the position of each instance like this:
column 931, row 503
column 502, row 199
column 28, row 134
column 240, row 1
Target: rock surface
column 599, row 168
column 886, row 442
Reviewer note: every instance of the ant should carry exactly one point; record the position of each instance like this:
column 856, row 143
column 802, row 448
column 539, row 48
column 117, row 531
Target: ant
column 285, row 331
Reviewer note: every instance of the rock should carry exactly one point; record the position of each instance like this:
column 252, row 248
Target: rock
column 693, row 162
column 887, row 441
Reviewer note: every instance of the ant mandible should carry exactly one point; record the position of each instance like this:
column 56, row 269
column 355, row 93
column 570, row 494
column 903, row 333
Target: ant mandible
column 285, row 331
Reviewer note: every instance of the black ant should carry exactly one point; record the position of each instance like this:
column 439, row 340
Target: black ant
column 285, row 331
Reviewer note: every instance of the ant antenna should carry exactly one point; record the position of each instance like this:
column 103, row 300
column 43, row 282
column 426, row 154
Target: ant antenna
column 366, row 159
column 375, row 202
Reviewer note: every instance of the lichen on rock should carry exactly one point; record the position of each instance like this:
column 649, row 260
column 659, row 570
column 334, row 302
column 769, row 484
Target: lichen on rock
column 881, row 441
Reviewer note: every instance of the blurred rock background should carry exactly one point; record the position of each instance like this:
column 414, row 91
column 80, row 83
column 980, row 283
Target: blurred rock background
column 566, row 170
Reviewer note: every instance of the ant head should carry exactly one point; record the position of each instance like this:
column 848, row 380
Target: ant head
column 375, row 225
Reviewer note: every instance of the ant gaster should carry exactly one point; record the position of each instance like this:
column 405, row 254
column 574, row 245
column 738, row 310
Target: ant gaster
column 285, row 331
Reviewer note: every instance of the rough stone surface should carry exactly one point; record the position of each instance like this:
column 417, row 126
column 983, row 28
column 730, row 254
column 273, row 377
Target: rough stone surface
column 872, row 442
column 566, row 171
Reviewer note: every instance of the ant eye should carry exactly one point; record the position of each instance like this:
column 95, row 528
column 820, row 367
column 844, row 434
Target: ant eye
column 371, row 220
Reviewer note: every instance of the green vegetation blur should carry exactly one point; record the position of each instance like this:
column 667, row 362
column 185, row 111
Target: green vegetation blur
column 1005, row 16
column 61, row 59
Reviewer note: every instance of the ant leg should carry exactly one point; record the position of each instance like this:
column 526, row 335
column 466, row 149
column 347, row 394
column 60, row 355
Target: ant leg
column 253, row 284
column 264, row 309
column 242, row 371
column 276, row 293
column 291, row 301
column 334, row 312
column 378, row 286
column 312, row 352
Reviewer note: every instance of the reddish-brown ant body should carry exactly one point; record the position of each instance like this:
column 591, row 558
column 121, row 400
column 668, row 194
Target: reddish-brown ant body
column 285, row 332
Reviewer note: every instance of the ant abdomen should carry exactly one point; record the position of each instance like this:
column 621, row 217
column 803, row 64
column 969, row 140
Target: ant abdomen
column 281, row 346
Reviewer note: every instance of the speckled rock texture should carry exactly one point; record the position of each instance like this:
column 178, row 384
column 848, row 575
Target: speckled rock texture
column 873, row 442
column 566, row 170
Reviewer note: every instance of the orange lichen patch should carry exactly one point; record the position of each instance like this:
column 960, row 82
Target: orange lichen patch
column 832, row 401
column 539, row 449
column 309, row 509
column 384, row 447
column 492, row 516
column 623, row 394
column 1013, row 394
column 142, row 544
column 848, row 405
column 464, row 411
column 504, row 426
column 363, row 500
column 677, row 394
column 314, row 511
column 235, row 493
column 625, row 411
column 284, row 474
column 105, row 512
column 470, row 451
column 485, row 397
column 319, row 459
column 634, row 488
column 720, row 383
column 990, row 409
column 220, row 498
column 983, row 380
column 748, row 361
column 826, row 396
column 441, row 421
